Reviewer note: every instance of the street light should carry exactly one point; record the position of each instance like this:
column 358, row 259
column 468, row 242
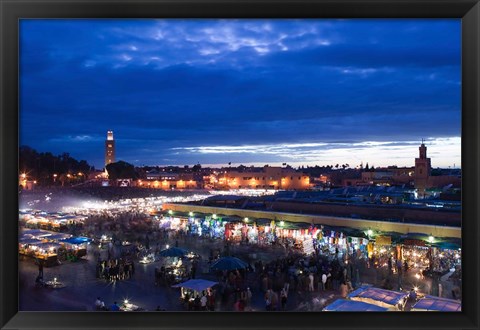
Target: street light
column 431, row 238
column 190, row 214
column 246, row 219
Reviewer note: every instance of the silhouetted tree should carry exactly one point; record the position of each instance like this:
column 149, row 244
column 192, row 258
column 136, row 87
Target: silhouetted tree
column 197, row 167
column 42, row 166
column 121, row 170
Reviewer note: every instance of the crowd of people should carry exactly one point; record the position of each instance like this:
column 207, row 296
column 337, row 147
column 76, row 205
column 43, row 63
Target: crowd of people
column 115, row 269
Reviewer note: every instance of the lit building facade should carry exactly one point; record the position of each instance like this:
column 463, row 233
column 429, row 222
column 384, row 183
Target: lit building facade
column 268, row 177
column 169, row 180
column 109, row 148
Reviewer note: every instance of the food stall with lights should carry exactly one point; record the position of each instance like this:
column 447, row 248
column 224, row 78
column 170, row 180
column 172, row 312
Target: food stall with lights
column 46, row 252
column 192, row 288
column 173, row 269
column 76, row 247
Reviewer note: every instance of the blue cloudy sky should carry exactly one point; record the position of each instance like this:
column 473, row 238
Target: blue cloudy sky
column 301, row 92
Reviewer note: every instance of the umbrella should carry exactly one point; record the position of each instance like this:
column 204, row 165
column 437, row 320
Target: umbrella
column 196, row 284
column 229, row 263
column 173, row 252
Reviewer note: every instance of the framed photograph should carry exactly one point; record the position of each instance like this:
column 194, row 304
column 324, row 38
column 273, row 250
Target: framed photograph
column 232, row 164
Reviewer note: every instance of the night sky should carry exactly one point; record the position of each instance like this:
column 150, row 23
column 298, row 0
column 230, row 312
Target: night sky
column 302, row 92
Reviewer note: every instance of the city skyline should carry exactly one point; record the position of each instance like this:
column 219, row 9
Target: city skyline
column 251, row 92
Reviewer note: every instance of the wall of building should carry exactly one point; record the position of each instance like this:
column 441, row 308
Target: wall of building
column 444, row 180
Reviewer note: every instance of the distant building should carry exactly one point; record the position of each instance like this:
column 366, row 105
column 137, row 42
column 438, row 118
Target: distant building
column 267, row 177
column 422, row 177
column 109, row 148
column 168, row 180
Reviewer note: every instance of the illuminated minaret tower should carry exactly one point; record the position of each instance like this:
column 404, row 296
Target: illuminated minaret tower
column 109, row 148
column 423, row 168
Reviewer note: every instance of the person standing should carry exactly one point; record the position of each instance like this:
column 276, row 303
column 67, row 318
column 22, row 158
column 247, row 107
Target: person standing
column 99, row 304
column 114, row 307
column 248, row 295
column 203, row 302
column 268, row 300
column 399, row 274
column 310, row 282
column 40, row 268
column 324, row 281
column 343, row 290
column 211, row 300
column 283, row 298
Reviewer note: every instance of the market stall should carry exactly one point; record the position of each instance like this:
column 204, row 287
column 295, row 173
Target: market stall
column 393, row 300
column 437, row 304
column 76, row 247
column 191, row 290
column 41, row 251
column 173, row 269
column 344, row 305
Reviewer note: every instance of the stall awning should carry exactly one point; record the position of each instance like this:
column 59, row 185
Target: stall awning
column 36, row 232
column 29, row 241
column 431, row 303
column 381, row 295
column 76, row 240
column 47, row 246
column 343, row 305
column 196, row 284
column 58, row 236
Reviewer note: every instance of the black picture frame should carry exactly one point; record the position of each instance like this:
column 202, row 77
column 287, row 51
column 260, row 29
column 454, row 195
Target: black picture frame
column 13, row 10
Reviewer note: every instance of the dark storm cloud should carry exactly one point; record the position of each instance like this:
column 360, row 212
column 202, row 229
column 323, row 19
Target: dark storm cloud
column 165, row 86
